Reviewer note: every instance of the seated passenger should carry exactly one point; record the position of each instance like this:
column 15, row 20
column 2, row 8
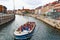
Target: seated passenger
column 26, row 27
column 19, row 29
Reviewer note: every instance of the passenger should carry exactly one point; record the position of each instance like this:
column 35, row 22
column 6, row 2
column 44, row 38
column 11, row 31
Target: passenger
column 23, row 28
column 20, row 29
column 28, row 22
column 26, row 27
column 30, row 27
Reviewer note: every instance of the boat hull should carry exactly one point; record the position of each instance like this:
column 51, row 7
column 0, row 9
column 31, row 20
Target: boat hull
column 26, row 36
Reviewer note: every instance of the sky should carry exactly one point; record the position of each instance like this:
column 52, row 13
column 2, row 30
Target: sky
column 27, row 4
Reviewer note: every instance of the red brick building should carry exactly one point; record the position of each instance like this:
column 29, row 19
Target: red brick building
column 3, row 9
column 0, row 8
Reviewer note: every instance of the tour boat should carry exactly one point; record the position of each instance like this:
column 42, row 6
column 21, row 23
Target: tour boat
column 25, row 34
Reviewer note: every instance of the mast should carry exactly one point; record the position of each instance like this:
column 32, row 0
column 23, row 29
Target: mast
column 14, row 6
column 23, row 7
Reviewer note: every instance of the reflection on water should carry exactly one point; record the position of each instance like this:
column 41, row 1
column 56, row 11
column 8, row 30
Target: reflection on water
column 41, row 32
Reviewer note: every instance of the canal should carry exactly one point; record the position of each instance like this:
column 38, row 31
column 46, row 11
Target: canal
column 42, row 31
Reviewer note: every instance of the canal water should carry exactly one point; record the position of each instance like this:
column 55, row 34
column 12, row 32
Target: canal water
column 42, row 31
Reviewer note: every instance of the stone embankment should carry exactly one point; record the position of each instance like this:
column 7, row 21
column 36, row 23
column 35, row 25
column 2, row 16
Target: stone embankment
column 54, row 23
column 4, row 18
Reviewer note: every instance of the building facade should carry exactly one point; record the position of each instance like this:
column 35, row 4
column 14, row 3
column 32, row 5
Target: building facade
column 3, row 9
column 57, row 7
column 38, row 10
column 50, row 7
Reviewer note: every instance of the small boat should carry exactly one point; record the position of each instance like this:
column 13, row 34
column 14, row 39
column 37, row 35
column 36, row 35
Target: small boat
column 25, row 33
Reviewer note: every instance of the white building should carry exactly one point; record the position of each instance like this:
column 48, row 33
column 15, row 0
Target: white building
column 38, row 10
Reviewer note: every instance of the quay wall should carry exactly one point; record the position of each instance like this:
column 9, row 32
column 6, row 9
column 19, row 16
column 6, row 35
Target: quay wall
column 54, row 23
column 4, row 18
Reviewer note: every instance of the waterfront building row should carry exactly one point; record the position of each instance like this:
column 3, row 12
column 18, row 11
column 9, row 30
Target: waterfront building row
column 50, row 7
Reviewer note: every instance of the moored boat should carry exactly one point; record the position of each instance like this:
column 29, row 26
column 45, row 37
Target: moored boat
column 25, row 31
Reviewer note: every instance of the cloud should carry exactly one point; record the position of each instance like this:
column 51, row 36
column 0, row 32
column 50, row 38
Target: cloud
column 4, row 0
column 33, row 2
column 26, row 3
column 20, row 4
column 8, row 4
column 47, row 1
